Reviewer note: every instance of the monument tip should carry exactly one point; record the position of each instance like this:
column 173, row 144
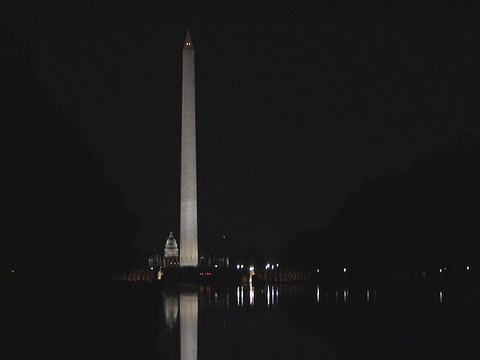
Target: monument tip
column 188, row 44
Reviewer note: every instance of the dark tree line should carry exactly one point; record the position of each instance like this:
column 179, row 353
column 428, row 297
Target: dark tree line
column 61, row 218
column 424, row 218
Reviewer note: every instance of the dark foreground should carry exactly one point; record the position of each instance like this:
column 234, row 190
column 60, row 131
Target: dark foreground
column 140, row 321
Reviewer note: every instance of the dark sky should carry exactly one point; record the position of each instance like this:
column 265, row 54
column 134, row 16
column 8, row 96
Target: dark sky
column 298, row 103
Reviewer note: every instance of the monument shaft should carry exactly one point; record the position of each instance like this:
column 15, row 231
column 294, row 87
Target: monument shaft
column 188, row 191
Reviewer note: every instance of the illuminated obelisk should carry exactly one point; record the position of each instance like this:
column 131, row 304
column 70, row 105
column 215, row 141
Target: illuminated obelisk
column 188, row 191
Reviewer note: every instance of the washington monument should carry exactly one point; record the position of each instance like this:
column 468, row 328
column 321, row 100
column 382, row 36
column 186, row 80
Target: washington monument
column 188, row 191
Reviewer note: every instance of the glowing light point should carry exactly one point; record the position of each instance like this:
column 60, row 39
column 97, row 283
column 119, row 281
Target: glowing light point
column 344, row 269
column 251, row 268
column 468, row 267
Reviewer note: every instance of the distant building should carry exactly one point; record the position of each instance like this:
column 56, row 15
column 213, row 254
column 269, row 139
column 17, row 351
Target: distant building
column 171, row 252
column 155, row 262
column 214, row 261
column 171, row 257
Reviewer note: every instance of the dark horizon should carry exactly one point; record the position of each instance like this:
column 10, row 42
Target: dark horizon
column 297, row 105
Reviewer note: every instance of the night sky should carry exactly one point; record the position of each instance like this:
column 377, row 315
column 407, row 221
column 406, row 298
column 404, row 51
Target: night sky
column 298, row 103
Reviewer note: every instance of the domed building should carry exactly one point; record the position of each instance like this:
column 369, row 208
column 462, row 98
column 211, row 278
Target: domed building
column 171, row 251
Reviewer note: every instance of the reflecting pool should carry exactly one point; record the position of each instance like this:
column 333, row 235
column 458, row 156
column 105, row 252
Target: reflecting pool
column 309, row 322
column 141, row 321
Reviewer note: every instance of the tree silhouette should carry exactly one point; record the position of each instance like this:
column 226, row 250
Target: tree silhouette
column 61, row 218
column 424, row 218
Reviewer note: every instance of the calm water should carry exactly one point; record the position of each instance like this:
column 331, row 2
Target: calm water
column 305, row 322
column 244, row 322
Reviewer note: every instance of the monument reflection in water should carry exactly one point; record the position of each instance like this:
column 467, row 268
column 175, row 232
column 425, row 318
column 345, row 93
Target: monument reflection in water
column 285, row 322
column 188, row 325
column 180, row 303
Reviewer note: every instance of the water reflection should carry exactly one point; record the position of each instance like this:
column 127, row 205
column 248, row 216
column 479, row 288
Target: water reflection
column 240, row 295
column 171, row 310
column 270, row 294
column 209, row 323
column 255, row 294
column 188, row 325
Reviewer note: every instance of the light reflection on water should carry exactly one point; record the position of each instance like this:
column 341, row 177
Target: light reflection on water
column 171, row 310
column 208, row 324
column 213, row 319
column 188, row 325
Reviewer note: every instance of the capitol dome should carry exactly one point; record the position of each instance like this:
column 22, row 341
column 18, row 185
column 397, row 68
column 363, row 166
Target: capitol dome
column 171, row 250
